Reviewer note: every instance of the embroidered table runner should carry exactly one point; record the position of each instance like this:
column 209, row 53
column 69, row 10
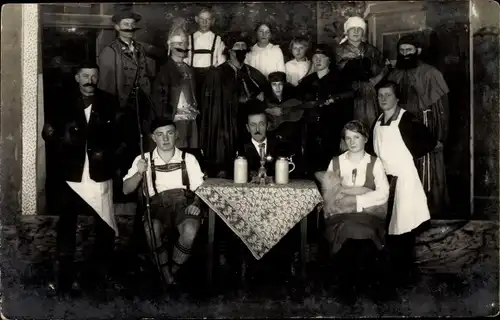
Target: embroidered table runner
column 260, row 215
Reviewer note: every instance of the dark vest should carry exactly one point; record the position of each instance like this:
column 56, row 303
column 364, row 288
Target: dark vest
column 369, row 180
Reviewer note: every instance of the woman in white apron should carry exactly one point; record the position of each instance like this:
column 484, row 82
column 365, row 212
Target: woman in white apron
column 398, row 140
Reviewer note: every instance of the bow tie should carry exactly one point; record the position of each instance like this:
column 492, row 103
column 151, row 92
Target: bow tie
column 87, row 101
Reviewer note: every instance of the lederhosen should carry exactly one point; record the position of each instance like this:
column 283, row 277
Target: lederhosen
column 169, row 206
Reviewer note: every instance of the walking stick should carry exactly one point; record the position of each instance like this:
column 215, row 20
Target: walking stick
column 149, row 221
column 427, row 170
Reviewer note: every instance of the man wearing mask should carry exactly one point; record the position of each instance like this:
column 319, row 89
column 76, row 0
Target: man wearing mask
column 424, row 93
column 226, row 90
column 86, row 138
column 174, row 91
column 205, row 48
column 126, row 74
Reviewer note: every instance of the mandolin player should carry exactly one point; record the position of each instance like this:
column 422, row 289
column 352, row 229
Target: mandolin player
column 285, row 117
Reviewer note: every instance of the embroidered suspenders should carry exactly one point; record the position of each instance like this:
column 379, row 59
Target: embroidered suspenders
column 203, row 51
column 171, row 167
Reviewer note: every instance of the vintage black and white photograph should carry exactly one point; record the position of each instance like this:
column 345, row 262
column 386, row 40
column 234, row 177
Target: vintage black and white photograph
column 249, row 159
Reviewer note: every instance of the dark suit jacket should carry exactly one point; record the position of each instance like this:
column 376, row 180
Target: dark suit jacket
column 69, row 134
column 274, row 148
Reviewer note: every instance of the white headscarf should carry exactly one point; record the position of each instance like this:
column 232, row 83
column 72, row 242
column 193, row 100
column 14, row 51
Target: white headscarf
column 353, row 22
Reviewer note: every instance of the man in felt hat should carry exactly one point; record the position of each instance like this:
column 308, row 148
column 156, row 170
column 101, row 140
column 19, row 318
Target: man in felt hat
column 227, row 88
column 84, row 135
column 324, row 122
column 173, row 91
column 172, row 178
column 424, row 93
column 205, row 48
column 125, row 73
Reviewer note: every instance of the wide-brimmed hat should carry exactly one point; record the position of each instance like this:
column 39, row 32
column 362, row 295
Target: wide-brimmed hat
column 125, row 14
column 236, row 36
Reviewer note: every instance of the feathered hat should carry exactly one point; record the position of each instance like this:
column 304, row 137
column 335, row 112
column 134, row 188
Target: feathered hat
column 178, row 32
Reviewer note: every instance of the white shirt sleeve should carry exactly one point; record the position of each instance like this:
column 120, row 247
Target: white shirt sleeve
column 133, row 168
column 280, row 60
column 378, row 196
column 330, row 166
column 194, row 172
column 289, row 72
column 220, row 58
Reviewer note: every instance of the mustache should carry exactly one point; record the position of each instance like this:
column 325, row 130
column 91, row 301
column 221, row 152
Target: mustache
column 257, row 132
column 89, row 85
column 130, row 30
column 181, row 50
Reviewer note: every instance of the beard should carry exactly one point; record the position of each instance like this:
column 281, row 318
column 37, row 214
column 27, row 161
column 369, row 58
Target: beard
column 407, row 62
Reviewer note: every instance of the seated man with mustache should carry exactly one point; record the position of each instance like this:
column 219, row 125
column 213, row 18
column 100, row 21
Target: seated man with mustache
column 257, row 125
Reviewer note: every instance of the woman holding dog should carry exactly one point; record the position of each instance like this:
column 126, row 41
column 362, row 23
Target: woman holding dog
column 355, row 190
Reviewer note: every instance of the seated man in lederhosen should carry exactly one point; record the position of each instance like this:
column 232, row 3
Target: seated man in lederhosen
column 172, row 177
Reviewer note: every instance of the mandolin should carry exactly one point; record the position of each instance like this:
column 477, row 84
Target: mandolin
column 293, row 109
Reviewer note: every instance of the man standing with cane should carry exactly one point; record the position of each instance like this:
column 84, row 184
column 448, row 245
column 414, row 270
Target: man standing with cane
column 126, row 74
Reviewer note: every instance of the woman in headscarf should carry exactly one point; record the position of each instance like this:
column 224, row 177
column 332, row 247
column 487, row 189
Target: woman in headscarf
column 363, row 66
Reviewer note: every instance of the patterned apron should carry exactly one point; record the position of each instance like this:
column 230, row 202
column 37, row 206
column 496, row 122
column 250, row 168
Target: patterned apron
column 410, row 203
column 98, row 195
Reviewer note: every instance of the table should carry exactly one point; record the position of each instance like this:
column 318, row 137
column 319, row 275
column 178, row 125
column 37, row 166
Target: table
column 259, row 215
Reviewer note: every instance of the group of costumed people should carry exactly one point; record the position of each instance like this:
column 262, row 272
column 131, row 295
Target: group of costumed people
column 199, row 103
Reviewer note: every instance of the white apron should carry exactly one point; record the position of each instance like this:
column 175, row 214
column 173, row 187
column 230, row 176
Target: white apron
column 410, row 203
column 98, row 195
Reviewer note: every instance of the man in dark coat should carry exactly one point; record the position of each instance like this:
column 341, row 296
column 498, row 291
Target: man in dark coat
column 424, row 93
column 174, row 92
column 225, row 90
column 126, row 73
column 85, row 136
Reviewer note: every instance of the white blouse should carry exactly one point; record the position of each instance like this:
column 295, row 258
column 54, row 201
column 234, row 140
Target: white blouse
column 296, row 70
column 376, row 197
column 266, row 60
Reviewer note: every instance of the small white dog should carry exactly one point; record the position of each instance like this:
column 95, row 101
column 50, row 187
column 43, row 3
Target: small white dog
column 333, row 192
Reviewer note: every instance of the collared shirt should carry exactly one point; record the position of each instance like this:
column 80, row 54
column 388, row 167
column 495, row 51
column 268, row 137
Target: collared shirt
column 169, row 180
column 257, row 146
column 205, row 41
column 296, row 70
column 376, row 197
column 266, row 60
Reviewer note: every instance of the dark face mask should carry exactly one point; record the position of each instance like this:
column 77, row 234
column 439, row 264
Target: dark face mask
column 240, row 55
column 409, row 61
